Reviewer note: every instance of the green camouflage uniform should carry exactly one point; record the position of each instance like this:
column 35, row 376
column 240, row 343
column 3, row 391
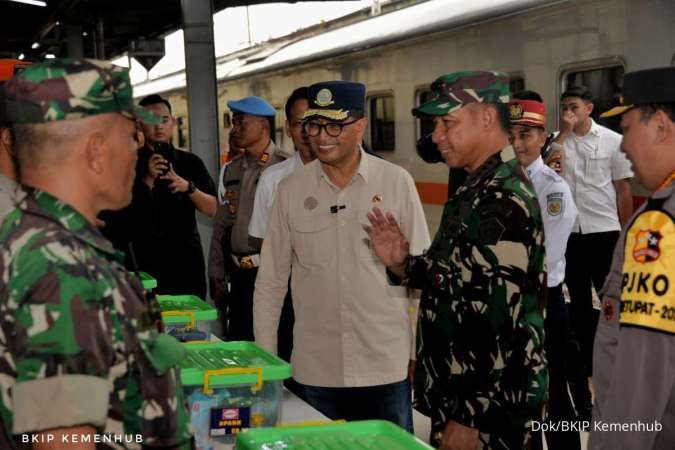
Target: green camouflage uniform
column 78, row 345
column 480, row 352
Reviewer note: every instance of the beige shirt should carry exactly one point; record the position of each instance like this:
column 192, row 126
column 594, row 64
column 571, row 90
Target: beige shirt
column 351, row 327
column 239, row 180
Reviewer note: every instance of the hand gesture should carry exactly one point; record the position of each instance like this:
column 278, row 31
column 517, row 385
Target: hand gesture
column 387, row 240
column 157, row 165
column 459, row 437
column 177, row 184
column 568, row 122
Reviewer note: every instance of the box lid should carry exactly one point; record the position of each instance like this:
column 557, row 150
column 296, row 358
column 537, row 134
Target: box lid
column 367, row 434
column 146, row 280
column 230, row 364
column 179, row 309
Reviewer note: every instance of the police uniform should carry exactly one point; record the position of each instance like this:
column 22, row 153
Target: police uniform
column 558, row 213
column 232, row 257
column 480, row 354
column 75, row 330
column 634, row 352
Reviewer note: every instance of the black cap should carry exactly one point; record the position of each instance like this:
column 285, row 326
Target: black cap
column 645, row 86
column 335, row 100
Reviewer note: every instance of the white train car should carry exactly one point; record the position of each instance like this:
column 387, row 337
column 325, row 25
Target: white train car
column 545, row 45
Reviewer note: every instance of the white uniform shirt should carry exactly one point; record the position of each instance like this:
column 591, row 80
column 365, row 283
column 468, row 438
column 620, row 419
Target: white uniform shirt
column 265, row 192
column 558, row 214
column 352, row 328
column 592, row 163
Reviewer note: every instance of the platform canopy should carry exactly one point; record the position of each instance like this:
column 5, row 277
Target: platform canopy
column 36, row 28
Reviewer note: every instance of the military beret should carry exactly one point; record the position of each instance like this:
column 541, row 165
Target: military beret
column 453, row 90
column 645, row 86
column 335, row 100
column 64, row 89
column 254, row 106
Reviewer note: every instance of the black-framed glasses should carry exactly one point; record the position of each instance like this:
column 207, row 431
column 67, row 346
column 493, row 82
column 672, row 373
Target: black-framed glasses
column 333, row 129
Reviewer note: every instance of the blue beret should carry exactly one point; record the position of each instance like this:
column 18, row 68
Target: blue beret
column 335, row 100
column 253, row 105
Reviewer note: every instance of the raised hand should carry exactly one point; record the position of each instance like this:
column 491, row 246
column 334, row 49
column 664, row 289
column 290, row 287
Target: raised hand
column 387, row 240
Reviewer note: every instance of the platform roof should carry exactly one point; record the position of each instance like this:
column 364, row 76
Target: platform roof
column 22, row 24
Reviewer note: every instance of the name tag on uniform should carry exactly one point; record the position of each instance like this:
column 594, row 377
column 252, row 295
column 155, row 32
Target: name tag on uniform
column 647, row 292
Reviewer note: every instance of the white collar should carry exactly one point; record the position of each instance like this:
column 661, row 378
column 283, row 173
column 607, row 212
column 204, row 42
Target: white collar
column 534, row 167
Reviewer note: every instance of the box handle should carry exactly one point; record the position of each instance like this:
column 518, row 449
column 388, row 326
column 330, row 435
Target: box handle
column 192, row 321
column 234, row 371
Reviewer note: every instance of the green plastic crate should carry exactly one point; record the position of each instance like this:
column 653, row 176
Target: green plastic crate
column 361, row 435
column 187, row 317
column 147, row 281
column 231, row 386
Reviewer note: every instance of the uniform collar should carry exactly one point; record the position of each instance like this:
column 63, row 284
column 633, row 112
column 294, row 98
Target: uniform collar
column 595, row 129
column 40, row 203
column 490, row 166
column 534, row 167
column 262, row 160
column 362, row 169
column 665, row 192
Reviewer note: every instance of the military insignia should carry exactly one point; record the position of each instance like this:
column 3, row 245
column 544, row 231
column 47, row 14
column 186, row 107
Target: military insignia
column 554, row 203
column 324, row 97
column 232, row 208
column 264, row 157
column 377, row 198
column 257, row 420
column 515, row 112
column 646, row 247
column 608, row 310
column 311, row 203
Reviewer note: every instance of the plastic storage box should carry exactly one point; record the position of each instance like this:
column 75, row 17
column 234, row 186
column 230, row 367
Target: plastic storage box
column 187, row 317
column 147, row 281
column 362, row 435
column 231, row 386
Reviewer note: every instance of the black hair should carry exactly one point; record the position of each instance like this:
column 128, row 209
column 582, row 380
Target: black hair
column 527, row 95
column 154, row 99
column 301, row 93
column 648, row 110
column 577, row 91
column 502, row 115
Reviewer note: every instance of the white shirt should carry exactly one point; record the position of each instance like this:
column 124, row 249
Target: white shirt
column 352, row 328
column 592, row 163
column 265, row 193
column 558, row 214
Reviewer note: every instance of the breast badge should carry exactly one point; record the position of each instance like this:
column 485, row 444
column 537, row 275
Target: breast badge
column 311, row 203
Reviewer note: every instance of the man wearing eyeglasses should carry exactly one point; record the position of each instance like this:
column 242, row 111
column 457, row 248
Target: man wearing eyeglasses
column 233, row 257
column 353, row 334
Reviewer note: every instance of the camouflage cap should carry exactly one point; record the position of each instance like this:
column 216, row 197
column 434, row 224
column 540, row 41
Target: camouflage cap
column 65, row 89
column 452, row 91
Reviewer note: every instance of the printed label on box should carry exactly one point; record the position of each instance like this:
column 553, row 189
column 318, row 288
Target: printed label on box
column 229, row 421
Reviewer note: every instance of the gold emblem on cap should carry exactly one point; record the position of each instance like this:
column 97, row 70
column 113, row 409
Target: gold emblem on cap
column 377, row 198
column 516, row 112
column 311, row 203
column 324, row 97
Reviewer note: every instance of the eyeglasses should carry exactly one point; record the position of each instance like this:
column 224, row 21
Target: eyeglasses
column 333, row 129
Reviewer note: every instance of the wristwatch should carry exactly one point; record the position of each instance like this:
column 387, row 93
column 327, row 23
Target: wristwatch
column 191, row 188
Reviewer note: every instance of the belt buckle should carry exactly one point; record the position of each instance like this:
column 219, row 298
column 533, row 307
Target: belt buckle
column 246, row 262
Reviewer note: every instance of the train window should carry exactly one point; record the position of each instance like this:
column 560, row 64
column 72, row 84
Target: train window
column 516, row 83
column 605, row 84
column 382, row 131
column 426, row 126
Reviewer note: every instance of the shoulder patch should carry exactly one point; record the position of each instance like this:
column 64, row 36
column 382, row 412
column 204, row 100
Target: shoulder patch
column 555, row 203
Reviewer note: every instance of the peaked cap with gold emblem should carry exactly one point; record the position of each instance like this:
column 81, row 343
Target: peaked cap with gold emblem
column 335, row 100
